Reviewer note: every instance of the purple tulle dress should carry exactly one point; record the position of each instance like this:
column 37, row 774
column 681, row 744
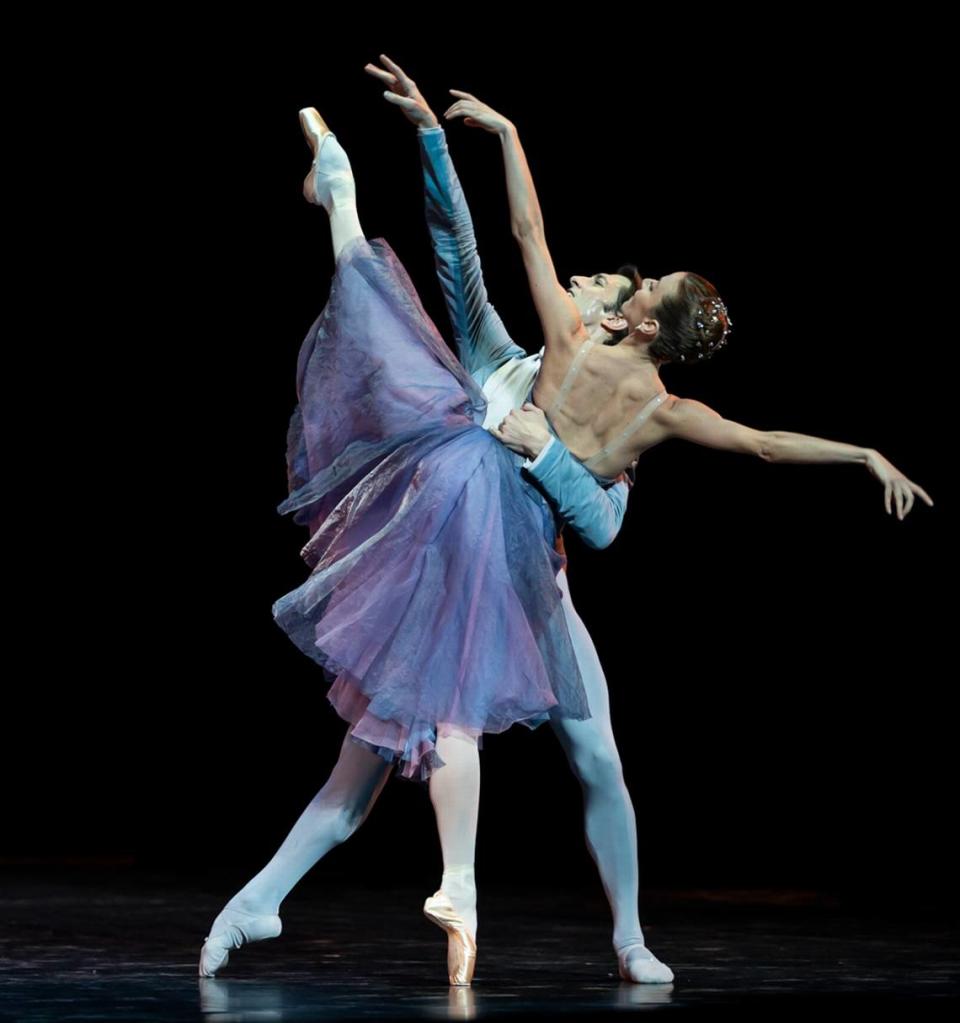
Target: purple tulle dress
column 432, row 600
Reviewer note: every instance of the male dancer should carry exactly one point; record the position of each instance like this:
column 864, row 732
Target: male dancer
column 505, row 373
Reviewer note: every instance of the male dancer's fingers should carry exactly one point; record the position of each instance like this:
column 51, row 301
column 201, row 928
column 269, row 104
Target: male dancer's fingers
column 403, row 101
column 384, row 76
column 407, row 81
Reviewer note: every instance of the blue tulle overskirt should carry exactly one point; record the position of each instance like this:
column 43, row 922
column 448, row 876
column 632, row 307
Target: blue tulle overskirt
column 432, row 602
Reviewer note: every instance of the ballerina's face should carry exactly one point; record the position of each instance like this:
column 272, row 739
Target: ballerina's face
column 641, row 304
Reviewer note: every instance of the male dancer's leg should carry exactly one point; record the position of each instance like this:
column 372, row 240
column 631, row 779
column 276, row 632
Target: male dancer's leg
column 609, row 818
column 331, row 817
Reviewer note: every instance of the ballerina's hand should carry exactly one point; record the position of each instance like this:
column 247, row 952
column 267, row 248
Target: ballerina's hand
column 895, row 485
column 524, row 430
column 477, row 114
column 403, row 92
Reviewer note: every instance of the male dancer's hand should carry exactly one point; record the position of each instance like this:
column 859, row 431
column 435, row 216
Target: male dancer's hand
column 524, row 430
column 403, row 92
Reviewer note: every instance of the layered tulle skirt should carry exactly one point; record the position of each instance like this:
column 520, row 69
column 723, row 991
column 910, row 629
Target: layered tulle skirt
column 432, row 602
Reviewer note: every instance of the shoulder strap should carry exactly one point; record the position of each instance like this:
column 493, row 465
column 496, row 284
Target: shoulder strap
column 635, row 424
column 569, row 378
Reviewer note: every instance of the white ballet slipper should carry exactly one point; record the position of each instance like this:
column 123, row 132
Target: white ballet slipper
column 640, row 966
column 231, row 929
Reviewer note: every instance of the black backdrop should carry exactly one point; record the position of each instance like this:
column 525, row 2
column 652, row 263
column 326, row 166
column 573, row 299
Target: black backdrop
column 777, row 647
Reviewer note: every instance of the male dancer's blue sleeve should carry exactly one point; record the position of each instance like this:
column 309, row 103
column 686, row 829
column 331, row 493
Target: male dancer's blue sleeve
column 483, row 346
column 595, row 513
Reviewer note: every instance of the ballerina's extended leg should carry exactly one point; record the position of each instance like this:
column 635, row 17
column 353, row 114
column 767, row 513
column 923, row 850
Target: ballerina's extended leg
column 330, row 182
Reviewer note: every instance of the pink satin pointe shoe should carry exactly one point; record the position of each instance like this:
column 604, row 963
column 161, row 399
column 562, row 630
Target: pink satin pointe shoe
column 331, row 178
column 640, row 966
column 231, row 929
column 461, row 947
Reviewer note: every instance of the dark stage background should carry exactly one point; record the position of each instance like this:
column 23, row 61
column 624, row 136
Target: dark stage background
column 778, row 649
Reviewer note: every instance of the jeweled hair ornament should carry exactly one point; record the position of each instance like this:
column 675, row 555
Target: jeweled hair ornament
column 713, row 312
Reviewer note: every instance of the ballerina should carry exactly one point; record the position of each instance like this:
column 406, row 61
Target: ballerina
column 417, row 515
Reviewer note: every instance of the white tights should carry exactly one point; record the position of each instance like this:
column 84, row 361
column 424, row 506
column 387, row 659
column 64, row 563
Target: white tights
column 359, row 775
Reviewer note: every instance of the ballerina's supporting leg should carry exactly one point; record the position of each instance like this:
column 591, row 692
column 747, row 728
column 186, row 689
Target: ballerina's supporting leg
column 330, row 818
column 455, row 794
column 609, row 818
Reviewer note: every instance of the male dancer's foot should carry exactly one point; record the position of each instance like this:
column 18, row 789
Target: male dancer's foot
column 233, row 927
column 640, row 966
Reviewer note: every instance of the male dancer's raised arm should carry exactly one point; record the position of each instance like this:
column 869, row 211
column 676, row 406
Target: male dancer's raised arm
column 483, row 344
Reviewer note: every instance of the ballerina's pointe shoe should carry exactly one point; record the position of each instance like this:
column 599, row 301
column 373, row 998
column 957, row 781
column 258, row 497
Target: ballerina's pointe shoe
column 330, row 180
column 461, row 946
column 640, row 966
column 231, row 929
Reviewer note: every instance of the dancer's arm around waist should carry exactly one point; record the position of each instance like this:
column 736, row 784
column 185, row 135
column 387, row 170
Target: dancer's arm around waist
column 594, row 512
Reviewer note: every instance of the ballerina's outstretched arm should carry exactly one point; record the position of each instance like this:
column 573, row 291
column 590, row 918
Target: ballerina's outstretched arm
column 594, row 512
column 693, row 421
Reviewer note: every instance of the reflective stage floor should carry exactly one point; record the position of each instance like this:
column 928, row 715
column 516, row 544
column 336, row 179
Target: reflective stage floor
column 99, row 945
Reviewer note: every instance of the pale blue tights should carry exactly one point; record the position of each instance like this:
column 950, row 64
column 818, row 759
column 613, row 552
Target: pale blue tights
column 359, row 775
